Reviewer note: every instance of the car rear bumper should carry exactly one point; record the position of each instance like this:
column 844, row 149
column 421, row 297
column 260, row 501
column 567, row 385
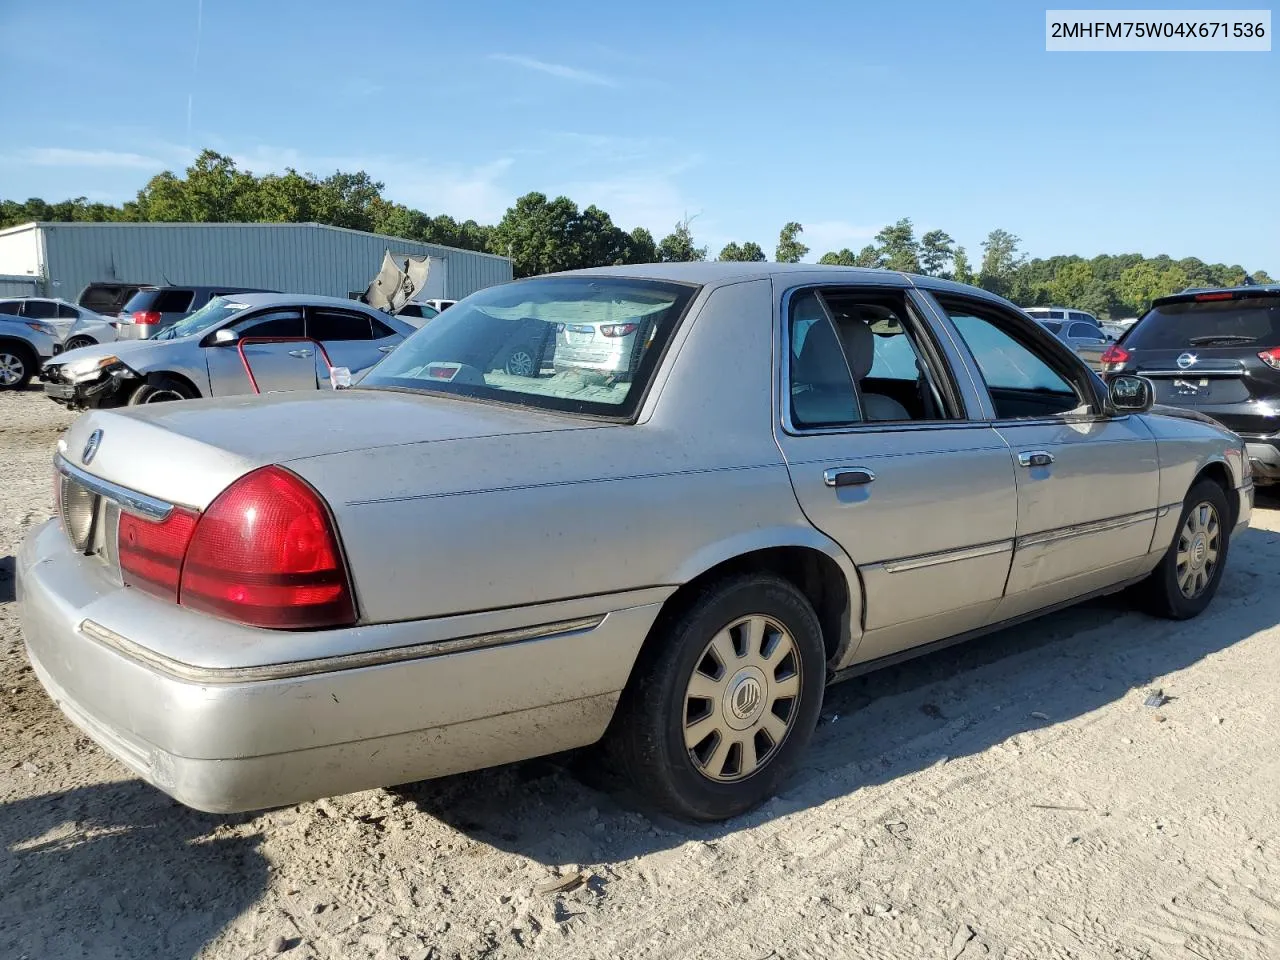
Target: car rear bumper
column 1264, row 457
column 230, row 738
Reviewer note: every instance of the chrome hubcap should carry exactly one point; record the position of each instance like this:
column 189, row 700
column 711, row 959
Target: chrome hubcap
column 741, row 700
column 11, row 369
column 1198, row 546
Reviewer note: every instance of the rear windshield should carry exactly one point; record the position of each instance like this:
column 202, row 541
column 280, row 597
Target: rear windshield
column 520, row 343
column 1224, row 323
column 160, row 301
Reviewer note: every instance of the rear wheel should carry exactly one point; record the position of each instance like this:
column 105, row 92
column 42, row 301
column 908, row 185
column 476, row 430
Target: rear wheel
column 75, row 343
column 17, row 365
column 1188, row 576
column 161, row 390
column 723, row 702
column 521, row 362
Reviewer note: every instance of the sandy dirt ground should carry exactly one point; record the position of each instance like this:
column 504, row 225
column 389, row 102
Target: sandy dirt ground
column 1012, row 798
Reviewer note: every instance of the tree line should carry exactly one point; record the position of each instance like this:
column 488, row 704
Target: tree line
column 542, row 235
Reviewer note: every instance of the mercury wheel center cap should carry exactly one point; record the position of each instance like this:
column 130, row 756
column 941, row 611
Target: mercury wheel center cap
column 1198, row 550
column 744, row 698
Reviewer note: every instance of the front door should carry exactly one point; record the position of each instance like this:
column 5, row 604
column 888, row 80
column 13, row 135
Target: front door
column 885, row 460
column 276, row 367
column 1088, row 483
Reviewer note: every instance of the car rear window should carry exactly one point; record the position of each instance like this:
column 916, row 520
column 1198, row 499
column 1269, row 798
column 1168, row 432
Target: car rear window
column 160, row 301
column 1174, row 326
column 504, row 344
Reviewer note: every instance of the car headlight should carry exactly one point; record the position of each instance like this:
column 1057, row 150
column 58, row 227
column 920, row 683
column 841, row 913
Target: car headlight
column 45, row 328
column 89, row 367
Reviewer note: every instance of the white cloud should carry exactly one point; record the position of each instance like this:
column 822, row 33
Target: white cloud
column 63, row 157
column 556, row 70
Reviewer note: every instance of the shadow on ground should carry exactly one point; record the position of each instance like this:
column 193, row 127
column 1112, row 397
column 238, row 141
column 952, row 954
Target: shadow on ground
column 881, row 726
column 119, row 871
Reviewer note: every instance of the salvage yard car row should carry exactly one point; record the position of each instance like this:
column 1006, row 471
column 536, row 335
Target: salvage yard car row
column 712, row 490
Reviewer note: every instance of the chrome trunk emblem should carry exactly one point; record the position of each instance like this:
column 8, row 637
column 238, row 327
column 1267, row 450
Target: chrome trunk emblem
column 1186, row 360
column 91, row 447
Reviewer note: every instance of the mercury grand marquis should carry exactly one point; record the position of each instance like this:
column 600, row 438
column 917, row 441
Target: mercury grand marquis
column 805, row 474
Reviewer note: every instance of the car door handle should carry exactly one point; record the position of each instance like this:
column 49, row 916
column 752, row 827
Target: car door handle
column 387, row 348
column 301, row 354
column 847, row 476
column 1035, row 458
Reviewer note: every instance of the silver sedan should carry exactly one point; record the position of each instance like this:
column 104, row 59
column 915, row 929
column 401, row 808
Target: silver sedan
column 806, row 473
column 238, row 343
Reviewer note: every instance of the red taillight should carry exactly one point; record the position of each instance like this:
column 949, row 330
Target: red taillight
column 265, row 554
column 1214, row 296
column 144, row 316
column 618, row 329
column 1115, row 354
column 1271, row 357
column 151, row 552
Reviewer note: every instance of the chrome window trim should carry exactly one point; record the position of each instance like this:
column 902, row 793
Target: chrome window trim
column 943, row 556
column 131, row 501
column 191, row 673
column 1084, row 529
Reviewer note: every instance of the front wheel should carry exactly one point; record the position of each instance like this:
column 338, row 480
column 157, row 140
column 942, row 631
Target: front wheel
column 1188, row 576
column 724, row 700
column 161, row 390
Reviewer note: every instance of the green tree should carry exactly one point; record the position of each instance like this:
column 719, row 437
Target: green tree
column 961, row 272
column 1070, row 283
column 870, row 256
column 898, row 247
column 845, row 258
column 643, row 248
column 1141, row 284
column 678, row 245
column 749, row 252
column 537, row 234
column 1000, row 258
column 790, row 249
column 937, row 249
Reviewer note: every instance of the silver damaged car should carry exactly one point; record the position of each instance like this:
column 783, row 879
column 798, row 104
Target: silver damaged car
column 238, row 343
column 805, row 474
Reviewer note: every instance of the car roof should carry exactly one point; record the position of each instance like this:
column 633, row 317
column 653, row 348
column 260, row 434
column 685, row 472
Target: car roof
column 297, row 299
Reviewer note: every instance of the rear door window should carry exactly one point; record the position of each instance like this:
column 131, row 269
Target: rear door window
column 67, row 312
column 13, row 307
column 380, row 330
column 1085, row 331
column 40, row 309
column 326, row 325
column 1220, row 323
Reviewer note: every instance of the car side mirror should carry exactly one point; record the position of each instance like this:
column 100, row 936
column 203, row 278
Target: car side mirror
column 1131, row 394
column 225, row 336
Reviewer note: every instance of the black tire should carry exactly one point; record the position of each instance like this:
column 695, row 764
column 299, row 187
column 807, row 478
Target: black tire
column 1164, row 594
column 161, row 389
column 18, row 364
column 75, row 343
column 647, row 736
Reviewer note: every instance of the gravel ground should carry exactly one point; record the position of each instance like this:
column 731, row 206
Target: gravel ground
column 1009, row 798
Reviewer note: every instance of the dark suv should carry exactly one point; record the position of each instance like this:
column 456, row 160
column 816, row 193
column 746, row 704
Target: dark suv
column 152, row 309
column 1216, row 352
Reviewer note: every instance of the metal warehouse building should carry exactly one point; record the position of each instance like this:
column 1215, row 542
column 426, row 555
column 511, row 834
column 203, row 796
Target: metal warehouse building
column 59, row 259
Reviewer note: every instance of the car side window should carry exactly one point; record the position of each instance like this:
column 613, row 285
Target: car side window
column 173, row 301
column 273, row 323
column 1022, row 379
column 12, row 307
column 40, row 309
column 822, row 388
column 67, row 312
column 327, row 325
column 380, row 330
column 1085, row 331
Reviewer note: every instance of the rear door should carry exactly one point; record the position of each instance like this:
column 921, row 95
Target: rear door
column 1088, row 483
column 1206, row 352
column 275, row 366
column 887, row 458
column 351, row 339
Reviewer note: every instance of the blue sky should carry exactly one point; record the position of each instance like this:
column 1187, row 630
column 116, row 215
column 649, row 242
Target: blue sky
column 844, row 116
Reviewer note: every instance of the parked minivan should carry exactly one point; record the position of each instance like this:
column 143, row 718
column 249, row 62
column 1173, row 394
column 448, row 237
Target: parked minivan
column 152, row 309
